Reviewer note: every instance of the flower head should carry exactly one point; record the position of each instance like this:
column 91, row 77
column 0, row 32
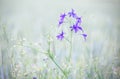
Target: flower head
column 60, row 36
column 76, row 28
column 60, row 22
column 78, row 20
column 62, row 17
column 72, row 14
column 84, row 35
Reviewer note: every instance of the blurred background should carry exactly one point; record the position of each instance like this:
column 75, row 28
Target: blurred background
column 32, row 20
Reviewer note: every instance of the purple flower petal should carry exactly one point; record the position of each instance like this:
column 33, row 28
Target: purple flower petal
column 60, row 36
column 60, row 22
column 72, row 14
column 76, row 28
column 84, row 35
column 62, row 17
column 78, row 20
column 80, row 28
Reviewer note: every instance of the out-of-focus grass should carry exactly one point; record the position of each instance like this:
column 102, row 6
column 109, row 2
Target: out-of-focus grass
column 29, row 59
column 95, row 59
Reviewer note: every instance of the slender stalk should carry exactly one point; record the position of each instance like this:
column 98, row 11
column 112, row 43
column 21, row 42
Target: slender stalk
column 70, row 41
column 52, row 58
column 59, row 67
column 70, row 55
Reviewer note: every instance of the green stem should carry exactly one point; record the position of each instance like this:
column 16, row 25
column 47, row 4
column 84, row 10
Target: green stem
column 70, row 47
column 52, row 58
column 59, row 67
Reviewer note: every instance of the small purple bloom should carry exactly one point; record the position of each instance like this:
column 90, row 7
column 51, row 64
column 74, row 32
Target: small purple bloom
column 60, row 22
column 62, row 17
column 34, row 77
column 76, row 28
column 72, row 14
column 78, row 20
column 60, row 36
column 84, row 35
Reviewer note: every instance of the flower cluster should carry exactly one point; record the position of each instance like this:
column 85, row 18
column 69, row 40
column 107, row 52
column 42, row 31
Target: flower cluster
column 76, row 27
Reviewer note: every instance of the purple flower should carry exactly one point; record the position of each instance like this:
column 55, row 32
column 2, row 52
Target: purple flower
column 62, row 17
column 72, row 14
column 34, row 77
column 76, row 28
column 60, row 36
column 78, row 20
column 84, row 35
column 60, row 22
